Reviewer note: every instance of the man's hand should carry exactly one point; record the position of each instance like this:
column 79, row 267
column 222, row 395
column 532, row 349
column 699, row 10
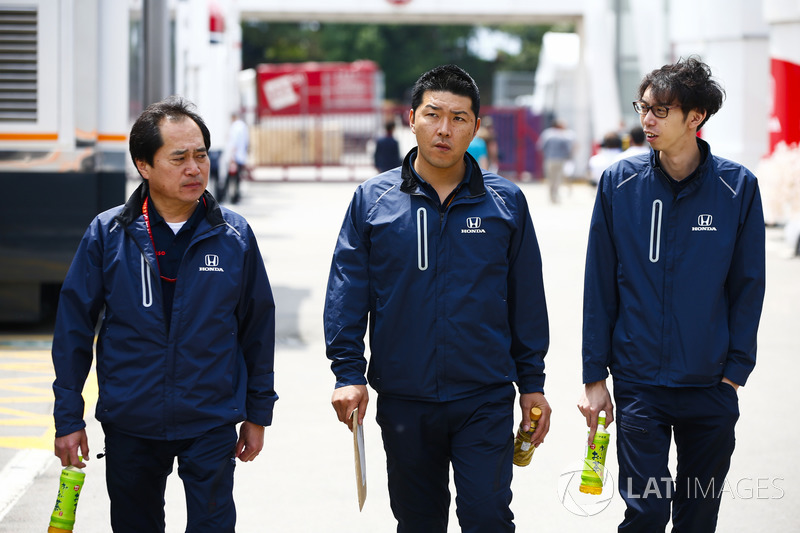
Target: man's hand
column 346, row 399
column 66, row 448
column 251, row 441
column 595, row 398
column 731, row 383
column 535, row 399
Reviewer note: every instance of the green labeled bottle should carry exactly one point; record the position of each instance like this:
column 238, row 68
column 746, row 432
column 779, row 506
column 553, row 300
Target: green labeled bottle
column 69, row 489
column 594, row 464
column 523, row 449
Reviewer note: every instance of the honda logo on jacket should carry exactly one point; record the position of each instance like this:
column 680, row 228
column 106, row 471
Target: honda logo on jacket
column 473, row 225
column 212, row 264
column 704, row 223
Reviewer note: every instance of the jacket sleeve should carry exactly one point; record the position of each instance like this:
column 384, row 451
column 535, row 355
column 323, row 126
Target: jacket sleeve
column 79, row 306
column 745, row 286
column 600, row 295
column 530, row 337
column 256, row 317
column 347, row 299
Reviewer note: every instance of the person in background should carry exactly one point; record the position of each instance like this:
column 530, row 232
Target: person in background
column 478, row 150
column 610, row 150
column 185, row 346
column 387, row 150
column 673, row 291
column 556, row 144
column 489, row 134
column 236, row 152
column 439, row 260
column 637, row 144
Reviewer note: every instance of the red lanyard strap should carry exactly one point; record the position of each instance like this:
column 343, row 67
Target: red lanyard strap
column 150, row 233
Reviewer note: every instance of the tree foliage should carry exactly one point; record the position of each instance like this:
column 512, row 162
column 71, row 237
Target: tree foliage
column 403, row 52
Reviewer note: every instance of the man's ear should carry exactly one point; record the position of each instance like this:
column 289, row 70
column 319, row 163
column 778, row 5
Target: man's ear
column 411, row 120
column 696, row 118
column 477, row 127
column 143, row 168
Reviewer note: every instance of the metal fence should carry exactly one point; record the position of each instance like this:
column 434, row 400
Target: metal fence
column 281, row 144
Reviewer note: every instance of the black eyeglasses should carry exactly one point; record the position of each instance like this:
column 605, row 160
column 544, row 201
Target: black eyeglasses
column 660, row 111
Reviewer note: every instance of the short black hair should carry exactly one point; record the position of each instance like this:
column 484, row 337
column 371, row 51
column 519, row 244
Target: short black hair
column 447, row 78
column 687, row 82
column 145, row 138
column 611, row 140
column 637, row 135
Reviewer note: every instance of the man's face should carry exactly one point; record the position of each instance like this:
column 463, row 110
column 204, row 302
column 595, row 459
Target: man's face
column 672, row 133
column 180, row 169
column 444, row 125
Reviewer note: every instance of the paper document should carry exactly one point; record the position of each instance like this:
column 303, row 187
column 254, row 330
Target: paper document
column 361, row 460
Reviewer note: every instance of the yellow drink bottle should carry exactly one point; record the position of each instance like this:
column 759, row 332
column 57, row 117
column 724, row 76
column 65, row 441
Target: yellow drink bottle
column 69, row 489
column 523, row 449
column 595, row 460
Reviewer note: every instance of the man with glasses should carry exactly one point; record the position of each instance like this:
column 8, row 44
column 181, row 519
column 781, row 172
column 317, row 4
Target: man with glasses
column 673, row 293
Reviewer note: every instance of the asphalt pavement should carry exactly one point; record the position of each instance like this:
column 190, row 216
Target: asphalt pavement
column 304, row 480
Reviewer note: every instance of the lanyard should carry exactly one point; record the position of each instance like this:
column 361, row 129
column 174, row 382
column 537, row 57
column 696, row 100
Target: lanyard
column 150, row 233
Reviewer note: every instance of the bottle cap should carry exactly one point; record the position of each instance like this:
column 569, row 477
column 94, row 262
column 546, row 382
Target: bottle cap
column 536, row 413
column 602, row 421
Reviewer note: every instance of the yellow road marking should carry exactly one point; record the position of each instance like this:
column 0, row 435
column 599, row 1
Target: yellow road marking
column 31, row 388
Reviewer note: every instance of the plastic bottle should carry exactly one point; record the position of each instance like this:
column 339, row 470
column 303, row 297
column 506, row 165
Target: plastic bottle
column 523, row 449
column 594, row 464
column 69, row 489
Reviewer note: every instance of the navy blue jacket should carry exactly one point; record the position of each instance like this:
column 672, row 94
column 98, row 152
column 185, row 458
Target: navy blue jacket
column 454, row 298
column 214, row 365
column 674, row 284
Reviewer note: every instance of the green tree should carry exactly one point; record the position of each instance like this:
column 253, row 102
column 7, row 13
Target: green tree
column 401, row 51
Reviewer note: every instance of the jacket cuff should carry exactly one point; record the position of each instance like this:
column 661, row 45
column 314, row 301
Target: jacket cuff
column 62, row 431
column 736, row 372
column 592, row 374
column 528, row 384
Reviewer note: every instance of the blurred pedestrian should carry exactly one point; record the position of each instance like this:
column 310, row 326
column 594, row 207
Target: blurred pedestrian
column 387, row 150
column 487, row 132
column 439, row 259
column 236, row 152
column 477, row 149
column 636, row 144
column 674, row 286
column 610, row 150
column 186, row 340
column 556, row 144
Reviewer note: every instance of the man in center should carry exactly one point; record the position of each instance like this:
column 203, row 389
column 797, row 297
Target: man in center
column 440, row 261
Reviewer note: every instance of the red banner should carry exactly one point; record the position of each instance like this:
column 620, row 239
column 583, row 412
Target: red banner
column 317, row 88
column 784, row 124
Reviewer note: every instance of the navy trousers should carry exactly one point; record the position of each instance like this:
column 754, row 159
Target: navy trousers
column 703, row 420
column 136, row 478
column 422, row 439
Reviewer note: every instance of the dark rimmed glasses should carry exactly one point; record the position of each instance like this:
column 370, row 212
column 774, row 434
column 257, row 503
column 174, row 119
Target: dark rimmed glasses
column 660, row 111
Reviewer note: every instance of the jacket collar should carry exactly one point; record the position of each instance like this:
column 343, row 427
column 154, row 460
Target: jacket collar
column 132, row 209
column 706, row 162
column 411, row 183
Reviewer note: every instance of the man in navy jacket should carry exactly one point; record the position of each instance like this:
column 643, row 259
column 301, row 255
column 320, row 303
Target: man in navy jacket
column 674, row 286
column 440, row 261
column 186, row 343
